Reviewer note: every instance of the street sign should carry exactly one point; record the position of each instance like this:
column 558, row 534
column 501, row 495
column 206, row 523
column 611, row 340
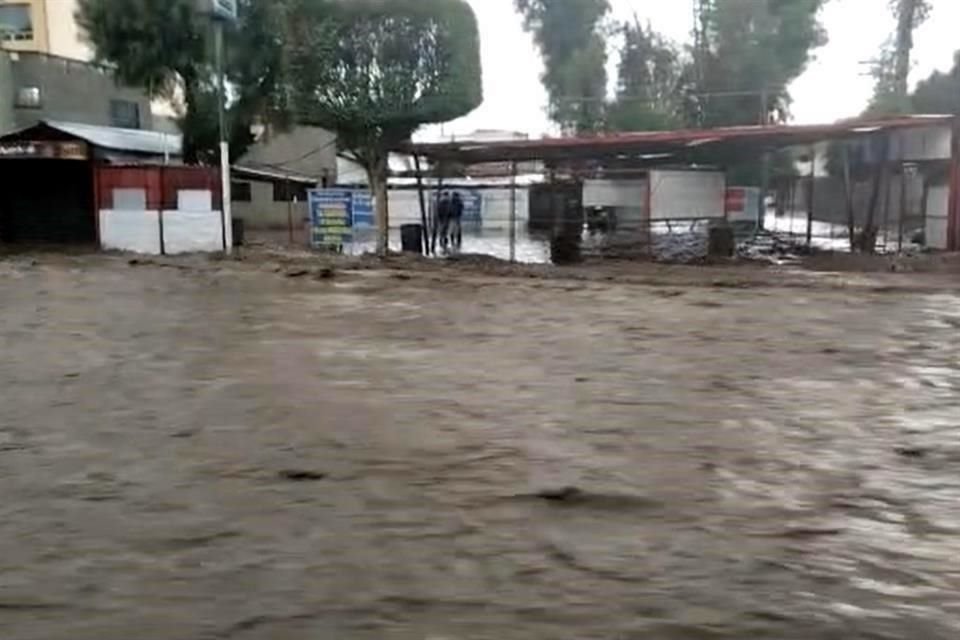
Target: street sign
column 220, row 9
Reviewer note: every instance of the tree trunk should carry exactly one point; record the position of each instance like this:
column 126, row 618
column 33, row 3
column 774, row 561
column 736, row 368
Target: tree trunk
column 377, row 177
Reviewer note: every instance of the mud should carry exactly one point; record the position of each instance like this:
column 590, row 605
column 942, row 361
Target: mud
column 198, row 449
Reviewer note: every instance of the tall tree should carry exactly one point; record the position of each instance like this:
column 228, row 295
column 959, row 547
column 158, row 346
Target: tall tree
column 892, row 70
column 167, row 48
column 374, row 71
column 940, row 92
column 574, row 50
column 750, row 51
column 650, row 78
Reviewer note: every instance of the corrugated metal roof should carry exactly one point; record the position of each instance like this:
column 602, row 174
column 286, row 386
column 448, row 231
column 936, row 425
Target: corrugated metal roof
column 117, row 139
column 748, row 139
column 271, row 173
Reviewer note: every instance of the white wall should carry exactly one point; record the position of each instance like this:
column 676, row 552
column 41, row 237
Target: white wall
column 194, row 227
column 615, row 193
column 687, row 194
column 938, row 213
column 405, row 207
column 65, row 34
column 930, row 143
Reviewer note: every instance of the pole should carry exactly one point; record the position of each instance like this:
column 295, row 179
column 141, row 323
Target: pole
column 513, row 212
column 423, row 205
column 289, row 212
column 811, row 193
column 226, row 206
column 903, row 205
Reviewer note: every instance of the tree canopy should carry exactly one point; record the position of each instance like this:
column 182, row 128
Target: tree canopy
column 374, row 71
column 167, row 48
column 940, row 92
column 649, row 85
column 751, row 51
column 574, row 50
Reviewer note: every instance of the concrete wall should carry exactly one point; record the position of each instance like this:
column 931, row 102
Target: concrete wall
column 309, row 151
column 263, row 213
column 64, row 35
column 6, row 93
column 72, row 91
column 687, row 194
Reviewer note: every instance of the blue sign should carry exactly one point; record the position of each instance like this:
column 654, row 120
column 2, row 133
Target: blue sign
column 336, row 213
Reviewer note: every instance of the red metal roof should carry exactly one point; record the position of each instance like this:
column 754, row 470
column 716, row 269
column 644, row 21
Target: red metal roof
column 748, row 139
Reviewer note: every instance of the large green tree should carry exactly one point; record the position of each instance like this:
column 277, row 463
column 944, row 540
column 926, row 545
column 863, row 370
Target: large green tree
column 374, row 71
column 750, row 52
column 940, row 92
column 167, row 48
column 892, row 69
column 569, row 34
column 650, row 79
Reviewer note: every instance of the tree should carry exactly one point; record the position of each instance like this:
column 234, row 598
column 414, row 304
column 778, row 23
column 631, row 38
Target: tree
column 167, row 48
column 892, row 70
column 649, row 95
column 374, row 71
column 940, row 92
column 750, row 52
column 574, row 50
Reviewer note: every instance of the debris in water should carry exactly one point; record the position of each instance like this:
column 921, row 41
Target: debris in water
column 297, row 475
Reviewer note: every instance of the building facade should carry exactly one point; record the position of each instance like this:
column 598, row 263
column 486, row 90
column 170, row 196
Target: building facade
column 42, row 26
column 39, row 86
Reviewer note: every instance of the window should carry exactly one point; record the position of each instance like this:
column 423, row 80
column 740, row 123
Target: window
column 289, row 192
column 28, row 98
column 240, row 192
column 125, row 114
column 16, row 23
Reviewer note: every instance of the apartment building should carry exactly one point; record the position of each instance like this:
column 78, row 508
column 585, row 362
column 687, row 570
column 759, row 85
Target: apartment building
column 46, row 72
column 42, row 26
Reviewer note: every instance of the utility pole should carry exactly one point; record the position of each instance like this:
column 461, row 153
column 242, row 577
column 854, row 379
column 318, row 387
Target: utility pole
column 222, row 12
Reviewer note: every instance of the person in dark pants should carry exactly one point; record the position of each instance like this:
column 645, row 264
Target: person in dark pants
column 443, row 219
column 456, row 221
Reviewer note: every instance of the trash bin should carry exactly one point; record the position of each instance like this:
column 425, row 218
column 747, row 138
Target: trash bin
column 411, row 238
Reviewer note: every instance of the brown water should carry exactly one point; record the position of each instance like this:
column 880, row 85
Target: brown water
column 756, row 463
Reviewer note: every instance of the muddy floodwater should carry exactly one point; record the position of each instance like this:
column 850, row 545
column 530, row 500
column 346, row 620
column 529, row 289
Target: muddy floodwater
column 249, row 452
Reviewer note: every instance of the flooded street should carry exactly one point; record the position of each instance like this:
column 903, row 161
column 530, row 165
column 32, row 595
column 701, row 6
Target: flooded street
column 221, row 451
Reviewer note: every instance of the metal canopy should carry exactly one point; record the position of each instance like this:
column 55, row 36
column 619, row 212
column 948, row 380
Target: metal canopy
column 133, row 141
column 666, row 147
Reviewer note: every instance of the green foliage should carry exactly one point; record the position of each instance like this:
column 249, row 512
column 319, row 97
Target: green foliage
column 649, row 96
column 574, row 50
column 375, row 71
column 752, row 47
column 167, row 48
column 891, row 71
column 153, row 44
column 939, row 93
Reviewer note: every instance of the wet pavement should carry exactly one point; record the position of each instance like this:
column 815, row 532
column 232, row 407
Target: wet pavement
column 226, row 452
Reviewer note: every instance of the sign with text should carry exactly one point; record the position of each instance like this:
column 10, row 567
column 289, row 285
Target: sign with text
column 331, row 218
column 43, row 150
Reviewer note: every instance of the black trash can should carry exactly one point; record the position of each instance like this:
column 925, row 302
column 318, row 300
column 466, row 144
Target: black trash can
column 239, row 232
column 411, row 238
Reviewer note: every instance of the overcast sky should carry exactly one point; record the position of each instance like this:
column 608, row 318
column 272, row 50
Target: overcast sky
column 835, row 85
